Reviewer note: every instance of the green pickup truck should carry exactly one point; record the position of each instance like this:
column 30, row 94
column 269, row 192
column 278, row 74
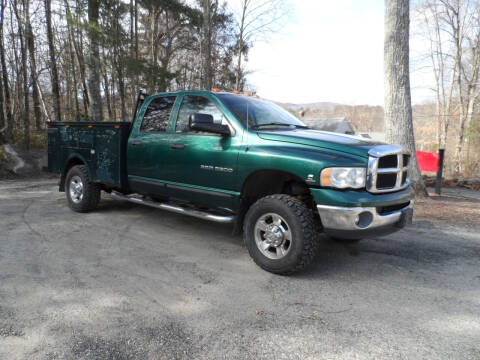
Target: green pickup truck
column 233, row 158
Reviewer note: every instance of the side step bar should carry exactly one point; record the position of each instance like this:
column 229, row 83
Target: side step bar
column 174, row 208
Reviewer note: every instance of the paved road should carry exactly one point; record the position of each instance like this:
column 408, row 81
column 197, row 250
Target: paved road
column 131, row 282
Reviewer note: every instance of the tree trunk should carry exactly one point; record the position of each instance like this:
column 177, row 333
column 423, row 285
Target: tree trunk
column 96, row 108
column 398, row 108
column 74, row 76
column 37, row 110
column 107, row 95
column 121, row 90
column 207, row 45
column 6, row 87
column 136, row 30
column 15, row 63
column 132, row 25
column 238, row 72
column 23, row 56
column 3, row 126
column 466, row 119
column 78, row 47
column 112, row 92
column 118, row 66
column 53, row 63
column 83, row 73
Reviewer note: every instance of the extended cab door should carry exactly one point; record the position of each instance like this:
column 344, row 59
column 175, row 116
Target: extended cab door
column 148, row 145
column 202, row 167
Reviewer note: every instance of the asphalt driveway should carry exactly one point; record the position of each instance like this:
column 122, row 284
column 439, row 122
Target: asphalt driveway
column 132, row 282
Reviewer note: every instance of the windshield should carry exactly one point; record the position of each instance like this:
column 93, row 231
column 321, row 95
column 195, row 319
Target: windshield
column 260, row 113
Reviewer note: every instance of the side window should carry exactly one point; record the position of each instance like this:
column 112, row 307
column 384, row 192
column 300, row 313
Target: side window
column 196, row 104
column 157, row 116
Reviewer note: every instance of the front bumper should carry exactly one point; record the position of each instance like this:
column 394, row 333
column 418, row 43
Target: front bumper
column 358, row 222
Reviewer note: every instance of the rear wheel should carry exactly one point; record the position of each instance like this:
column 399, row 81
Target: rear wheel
column 279, row 234
column 82, row 194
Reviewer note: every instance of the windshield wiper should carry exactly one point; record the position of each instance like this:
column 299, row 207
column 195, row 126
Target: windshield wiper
column 270, row 124
column 279, row 124
column 302, row 126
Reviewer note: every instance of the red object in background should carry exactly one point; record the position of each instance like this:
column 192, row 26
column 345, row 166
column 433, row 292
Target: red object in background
column 427, row 161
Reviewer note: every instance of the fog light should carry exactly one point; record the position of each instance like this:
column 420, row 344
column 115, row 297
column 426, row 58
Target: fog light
column 364, row 219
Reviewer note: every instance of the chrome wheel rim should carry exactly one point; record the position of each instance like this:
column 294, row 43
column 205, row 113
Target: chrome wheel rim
column 76, row 189
column 273, row 236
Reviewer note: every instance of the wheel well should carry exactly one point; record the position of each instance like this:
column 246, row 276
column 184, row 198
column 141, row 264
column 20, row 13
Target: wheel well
column 71, row 163
column 268, row 182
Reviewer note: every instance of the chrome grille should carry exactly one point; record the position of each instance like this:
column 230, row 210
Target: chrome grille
column 387, row 169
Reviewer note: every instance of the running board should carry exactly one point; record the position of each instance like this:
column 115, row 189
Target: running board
column 175, row 208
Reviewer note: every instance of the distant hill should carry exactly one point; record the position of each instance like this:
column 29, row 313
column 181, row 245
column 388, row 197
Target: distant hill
column 310, row 106
column 363, row 118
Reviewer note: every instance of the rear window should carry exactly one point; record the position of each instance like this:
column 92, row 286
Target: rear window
column 157, row 116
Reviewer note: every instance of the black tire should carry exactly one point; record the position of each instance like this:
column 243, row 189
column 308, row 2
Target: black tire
column 91, row 191
column 304, row 241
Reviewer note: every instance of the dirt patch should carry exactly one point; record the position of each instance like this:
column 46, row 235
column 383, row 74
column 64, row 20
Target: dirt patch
column 9, row 323
column 136, row 343
column 448, row 208
column 472, row 184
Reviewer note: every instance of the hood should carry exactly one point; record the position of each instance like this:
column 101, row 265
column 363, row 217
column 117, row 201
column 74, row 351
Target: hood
column 327, row 140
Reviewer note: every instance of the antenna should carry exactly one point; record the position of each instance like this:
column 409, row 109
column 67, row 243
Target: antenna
column 246, row 147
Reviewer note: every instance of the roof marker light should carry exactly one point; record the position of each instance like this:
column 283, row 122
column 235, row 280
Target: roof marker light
column 236, row 92
column 215, row 89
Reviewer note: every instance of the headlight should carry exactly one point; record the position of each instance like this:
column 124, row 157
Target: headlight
column 343, row 178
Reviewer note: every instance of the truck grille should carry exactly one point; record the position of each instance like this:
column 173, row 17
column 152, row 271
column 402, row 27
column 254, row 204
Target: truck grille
column 387, row 169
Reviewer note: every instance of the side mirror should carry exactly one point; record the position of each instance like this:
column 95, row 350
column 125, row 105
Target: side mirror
column 204, row 122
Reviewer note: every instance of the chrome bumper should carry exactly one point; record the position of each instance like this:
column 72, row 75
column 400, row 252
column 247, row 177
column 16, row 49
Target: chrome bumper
column 362, row 218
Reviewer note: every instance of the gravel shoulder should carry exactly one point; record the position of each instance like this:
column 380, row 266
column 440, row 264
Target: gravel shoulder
column 132, row 282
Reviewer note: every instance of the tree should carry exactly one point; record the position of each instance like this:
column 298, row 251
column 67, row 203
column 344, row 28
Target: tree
column 459, row 17
column 209, row 9
column 443, row 68
column 2, row 116
column 21, row 21
column 8, row 132
column 255, row 20
column 65, row 54
column 53, row 62
column 30, row 44
column 398, row 108
column 96, row 109
column 453, row 32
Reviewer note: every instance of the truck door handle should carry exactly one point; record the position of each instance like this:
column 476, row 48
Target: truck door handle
column 177, row 146
column 137, row 143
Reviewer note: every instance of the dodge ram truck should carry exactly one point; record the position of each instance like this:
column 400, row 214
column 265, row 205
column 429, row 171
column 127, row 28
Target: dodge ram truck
column 234, row 158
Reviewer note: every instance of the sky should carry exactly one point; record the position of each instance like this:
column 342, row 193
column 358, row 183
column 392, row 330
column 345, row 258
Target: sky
column 328, row 50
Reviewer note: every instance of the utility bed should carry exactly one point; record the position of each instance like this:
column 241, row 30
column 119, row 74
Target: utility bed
column 101, row 146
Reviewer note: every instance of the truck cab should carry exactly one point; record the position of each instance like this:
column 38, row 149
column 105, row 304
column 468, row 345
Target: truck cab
column 236, row 158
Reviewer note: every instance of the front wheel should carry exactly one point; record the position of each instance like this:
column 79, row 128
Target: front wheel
column 279, row 234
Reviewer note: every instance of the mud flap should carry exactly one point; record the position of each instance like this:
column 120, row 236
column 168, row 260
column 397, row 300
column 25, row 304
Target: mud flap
column 406, row 218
